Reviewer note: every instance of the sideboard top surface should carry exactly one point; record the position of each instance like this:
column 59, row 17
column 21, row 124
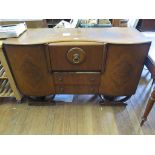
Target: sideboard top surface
column 101, row 35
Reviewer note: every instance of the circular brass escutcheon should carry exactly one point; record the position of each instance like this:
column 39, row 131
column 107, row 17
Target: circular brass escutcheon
column 76, row 55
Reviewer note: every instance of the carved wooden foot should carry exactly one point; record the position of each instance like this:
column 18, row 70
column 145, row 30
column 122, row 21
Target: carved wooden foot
column 148, row 107
column 113, row 101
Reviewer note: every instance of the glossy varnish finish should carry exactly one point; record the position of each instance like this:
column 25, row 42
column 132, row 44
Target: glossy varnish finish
column 99, row 35
column 124, row 64
column 92, row 62
column 35, row 67
column 68, row 51
column 30, row 69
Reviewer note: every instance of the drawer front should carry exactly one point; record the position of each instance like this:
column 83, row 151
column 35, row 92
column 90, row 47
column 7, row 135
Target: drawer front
column 76, row 89
column 77, row 58
column 76, row 78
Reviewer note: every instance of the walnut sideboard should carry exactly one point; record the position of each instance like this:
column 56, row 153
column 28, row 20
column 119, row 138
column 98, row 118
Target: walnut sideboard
column 104, row 61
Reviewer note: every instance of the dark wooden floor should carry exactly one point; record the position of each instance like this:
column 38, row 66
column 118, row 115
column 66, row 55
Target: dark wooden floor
column 83, row 116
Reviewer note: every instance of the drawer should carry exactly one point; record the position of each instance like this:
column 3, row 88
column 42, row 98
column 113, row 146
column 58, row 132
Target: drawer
column 76, row 78
column 76, row 89
column 77, row 57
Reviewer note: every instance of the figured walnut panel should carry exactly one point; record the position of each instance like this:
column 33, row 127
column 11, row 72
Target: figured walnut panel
column 29, row 67
column 124, row 65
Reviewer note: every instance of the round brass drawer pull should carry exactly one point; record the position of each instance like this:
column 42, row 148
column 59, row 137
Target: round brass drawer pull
column 76, row 55
column 76, row 58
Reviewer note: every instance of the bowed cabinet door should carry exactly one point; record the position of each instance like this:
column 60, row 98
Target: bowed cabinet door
column 29, row 67
column 123, row 68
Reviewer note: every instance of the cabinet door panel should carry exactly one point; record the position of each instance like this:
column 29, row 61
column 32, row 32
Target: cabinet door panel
column 30, row 70
column 123, row 68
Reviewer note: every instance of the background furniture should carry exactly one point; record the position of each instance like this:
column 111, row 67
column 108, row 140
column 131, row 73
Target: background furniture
column 144, row 25
column 31, row 23
column 53, row 22
column 119, row 22
column 85, row 23
column 73, row 23
column 150, row 64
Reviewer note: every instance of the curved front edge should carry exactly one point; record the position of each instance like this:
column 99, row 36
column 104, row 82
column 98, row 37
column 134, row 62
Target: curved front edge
column 124, row 64
column 30, row 69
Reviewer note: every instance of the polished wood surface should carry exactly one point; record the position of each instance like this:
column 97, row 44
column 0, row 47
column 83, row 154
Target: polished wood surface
column 82, row 116
column 93, row 59
column 124, row 65
column 29, row 68
column 33, row 65
column 77, row 82
column 109, row 35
